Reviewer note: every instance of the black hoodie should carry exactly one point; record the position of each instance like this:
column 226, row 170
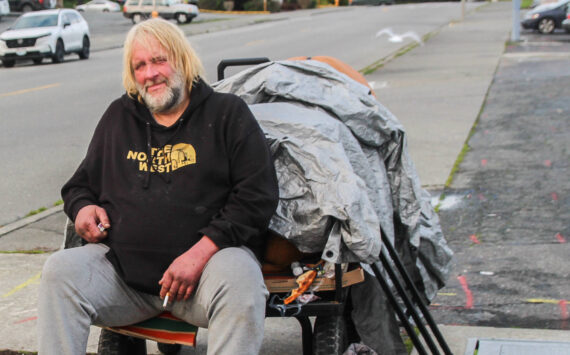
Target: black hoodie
column 163, row 188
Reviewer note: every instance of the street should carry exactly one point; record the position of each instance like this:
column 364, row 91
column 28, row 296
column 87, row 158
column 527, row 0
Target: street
column 49, row 111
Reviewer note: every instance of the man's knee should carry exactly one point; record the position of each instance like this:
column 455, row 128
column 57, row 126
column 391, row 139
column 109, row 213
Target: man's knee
column 69, row 264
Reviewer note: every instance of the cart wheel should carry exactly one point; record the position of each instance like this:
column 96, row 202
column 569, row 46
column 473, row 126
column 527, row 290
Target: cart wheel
column 111, row 343
column 330, row 335
column 169, row 349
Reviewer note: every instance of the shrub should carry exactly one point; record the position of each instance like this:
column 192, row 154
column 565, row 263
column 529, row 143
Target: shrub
column 211, row 4
column 253, row 5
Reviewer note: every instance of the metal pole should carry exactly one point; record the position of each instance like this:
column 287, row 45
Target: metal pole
column 515, row 34
column 462, row 10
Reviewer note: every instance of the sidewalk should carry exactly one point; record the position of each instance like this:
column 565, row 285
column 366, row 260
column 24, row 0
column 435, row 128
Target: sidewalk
column 436, row 90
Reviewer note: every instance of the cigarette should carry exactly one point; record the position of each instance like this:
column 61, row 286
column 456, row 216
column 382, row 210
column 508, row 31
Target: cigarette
column 165, row 300
column 101, row 228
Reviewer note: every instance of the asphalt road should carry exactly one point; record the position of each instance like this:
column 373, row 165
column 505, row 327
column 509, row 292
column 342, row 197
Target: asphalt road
column 49, row 111
column 506, row 215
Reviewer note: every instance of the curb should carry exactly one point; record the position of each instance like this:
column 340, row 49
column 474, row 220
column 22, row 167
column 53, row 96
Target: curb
column 29, row 220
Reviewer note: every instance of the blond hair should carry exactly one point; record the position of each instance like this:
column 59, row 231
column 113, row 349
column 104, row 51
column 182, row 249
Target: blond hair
column 171, row 38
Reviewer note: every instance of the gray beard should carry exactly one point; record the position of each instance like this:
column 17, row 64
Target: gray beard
column 171, row 98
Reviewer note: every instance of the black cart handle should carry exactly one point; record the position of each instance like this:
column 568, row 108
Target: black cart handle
column 238, row 61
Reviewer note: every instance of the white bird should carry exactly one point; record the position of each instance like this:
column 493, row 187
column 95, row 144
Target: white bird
column 396, row 38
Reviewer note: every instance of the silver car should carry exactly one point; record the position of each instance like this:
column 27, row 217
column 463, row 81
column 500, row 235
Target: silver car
column 45, row 34
column 99, row 5
column 138, row 10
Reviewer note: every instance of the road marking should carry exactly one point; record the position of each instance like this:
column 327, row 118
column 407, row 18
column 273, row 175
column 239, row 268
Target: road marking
column 468, row 294
column 545, row 300
column 563, row 309
column 24, row 91
column 447, row 294
column 25, row 320
column 30, row 281
column 254, row 43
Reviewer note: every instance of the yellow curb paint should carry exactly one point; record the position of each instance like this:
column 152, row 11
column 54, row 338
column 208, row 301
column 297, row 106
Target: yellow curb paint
column 544, row 300
column 24, row 91
column 23, row 285
column 447, row 294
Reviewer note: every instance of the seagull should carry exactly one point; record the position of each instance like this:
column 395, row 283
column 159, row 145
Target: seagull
column 396, row 38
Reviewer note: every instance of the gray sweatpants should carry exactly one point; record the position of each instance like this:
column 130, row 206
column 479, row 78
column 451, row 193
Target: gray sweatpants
column 80, row 287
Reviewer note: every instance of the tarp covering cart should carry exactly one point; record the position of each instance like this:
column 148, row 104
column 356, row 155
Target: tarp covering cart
column 340, row 153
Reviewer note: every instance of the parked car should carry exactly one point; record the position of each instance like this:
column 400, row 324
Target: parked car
column 566, row 22
column 4, row 8
column 45, row 34
column 138, row 10
column 99, row 5
column 31, row 5
column 546, row 18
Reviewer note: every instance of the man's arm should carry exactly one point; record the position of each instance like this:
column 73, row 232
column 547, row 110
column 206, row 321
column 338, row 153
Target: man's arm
column 184, row 272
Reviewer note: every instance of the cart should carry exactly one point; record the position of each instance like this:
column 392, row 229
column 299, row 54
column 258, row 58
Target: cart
column 333, row 328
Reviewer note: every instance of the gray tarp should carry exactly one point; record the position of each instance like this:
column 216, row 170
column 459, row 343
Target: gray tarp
column 354, row 168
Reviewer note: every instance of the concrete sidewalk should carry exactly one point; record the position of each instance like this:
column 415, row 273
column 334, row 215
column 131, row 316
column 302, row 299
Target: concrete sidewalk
column 445, row 80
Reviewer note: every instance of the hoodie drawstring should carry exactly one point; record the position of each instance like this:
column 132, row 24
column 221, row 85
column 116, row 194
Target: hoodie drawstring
column 150, row 159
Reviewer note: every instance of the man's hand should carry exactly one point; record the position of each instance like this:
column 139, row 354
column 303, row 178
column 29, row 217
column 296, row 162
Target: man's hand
column 182, row 276
column 86, row 223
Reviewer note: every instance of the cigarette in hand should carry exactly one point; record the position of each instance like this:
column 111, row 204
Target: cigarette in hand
column 101, row 228
column 165, row 300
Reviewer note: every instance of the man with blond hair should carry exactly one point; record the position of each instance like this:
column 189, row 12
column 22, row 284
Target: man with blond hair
column 174, row 197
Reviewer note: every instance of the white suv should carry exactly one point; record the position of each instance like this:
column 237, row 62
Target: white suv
column 138, row 10
column 45, row 34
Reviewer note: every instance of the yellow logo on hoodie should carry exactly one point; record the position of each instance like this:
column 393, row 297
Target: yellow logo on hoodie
column 166, row 159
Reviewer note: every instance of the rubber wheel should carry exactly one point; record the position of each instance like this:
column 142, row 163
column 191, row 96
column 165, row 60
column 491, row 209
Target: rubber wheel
column 181, row 17
column 111, row 343
column 27, row 8
column 169, row 349
column 137, row 18
column 38, row 60
column 8, row 63
column 59, row 52
column 84, row 53
column 330, row 336
column 546, row 25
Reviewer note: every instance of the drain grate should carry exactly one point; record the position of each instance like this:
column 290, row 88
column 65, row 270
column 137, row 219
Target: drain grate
column 515, row 347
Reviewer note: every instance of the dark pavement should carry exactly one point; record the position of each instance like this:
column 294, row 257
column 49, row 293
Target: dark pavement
column 509, row 219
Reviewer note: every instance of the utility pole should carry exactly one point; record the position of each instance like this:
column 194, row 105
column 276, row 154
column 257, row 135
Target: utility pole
column 516, row 32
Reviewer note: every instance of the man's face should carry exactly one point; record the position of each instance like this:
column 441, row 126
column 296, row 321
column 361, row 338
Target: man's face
column 158, row 82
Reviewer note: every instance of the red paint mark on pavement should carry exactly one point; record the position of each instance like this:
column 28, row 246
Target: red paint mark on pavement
column 483, row 162
column 547, row 163
column 554, row 196
column 560, row 238
column 468, row 294
column 481, row 197
column 474, row 239
column 25, row 320
column 563, row 309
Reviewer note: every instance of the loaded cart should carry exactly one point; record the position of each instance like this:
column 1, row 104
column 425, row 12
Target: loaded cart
column 352, row 216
